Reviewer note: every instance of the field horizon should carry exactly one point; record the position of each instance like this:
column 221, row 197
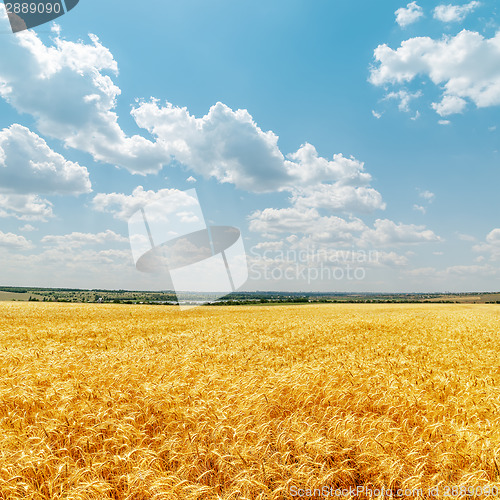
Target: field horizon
column 168, row 297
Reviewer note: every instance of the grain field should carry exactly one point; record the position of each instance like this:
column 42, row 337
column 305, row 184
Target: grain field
column 277, row 402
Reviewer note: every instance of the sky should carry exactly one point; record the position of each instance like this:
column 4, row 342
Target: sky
column 355, row 145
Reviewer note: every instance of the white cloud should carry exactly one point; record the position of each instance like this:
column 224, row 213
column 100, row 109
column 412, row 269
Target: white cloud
column 28, row 228
column 465, row 237
column 308, row 168
column 224, row 144
column 404, row 97
column 65, row 86
column 454, row 13
column 78, row 268
column 491, row 245
column 449, row 105
column 444, row 122
column 190, row 179
column 122, row 206
column 454, row 273
column 75, row 240
column 392, row 259
column 28, row 169
column 409, row 14
column 272, row 222
column 25, row 207
column 14, row 241
column 422, row 272
column 387, row 233
column 29, row 166
column 231, row 147
column 466, row 66
column 376, row 115
column 339, row 185
column 493, row 237
column 427, row 195
column 338, row 198
column 271, row 246
column 465, row 271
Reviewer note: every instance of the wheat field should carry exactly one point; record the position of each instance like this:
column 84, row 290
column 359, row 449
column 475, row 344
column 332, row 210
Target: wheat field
column 266, row 402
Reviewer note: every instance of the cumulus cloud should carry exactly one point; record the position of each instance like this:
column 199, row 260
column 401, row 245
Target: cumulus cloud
column 25, row 207
column 449, row 105
column 272, row 222
column 67, row 87
column 466, row 67
column 230, row 146
column 14, row 241
column 307, row 168
column 464, row 272
column 409, row 14
column 75, row 267
column 27, row 228
column 76, row 240
column 269, row 246
column 386, row 233
column 427, row 195
column 28, row 166
column 493, row 237
column 224, row 144
column 339, row 198
column 122, row 206
column 454, row 13
column 466, row 237
column 490, row 246
column 340, row 184
column 391, row 259
column 404, row 97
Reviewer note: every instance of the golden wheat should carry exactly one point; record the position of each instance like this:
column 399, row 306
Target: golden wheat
column 149, row 402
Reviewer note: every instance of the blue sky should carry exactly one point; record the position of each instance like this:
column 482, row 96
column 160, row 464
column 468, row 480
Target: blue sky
column 334, row 135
